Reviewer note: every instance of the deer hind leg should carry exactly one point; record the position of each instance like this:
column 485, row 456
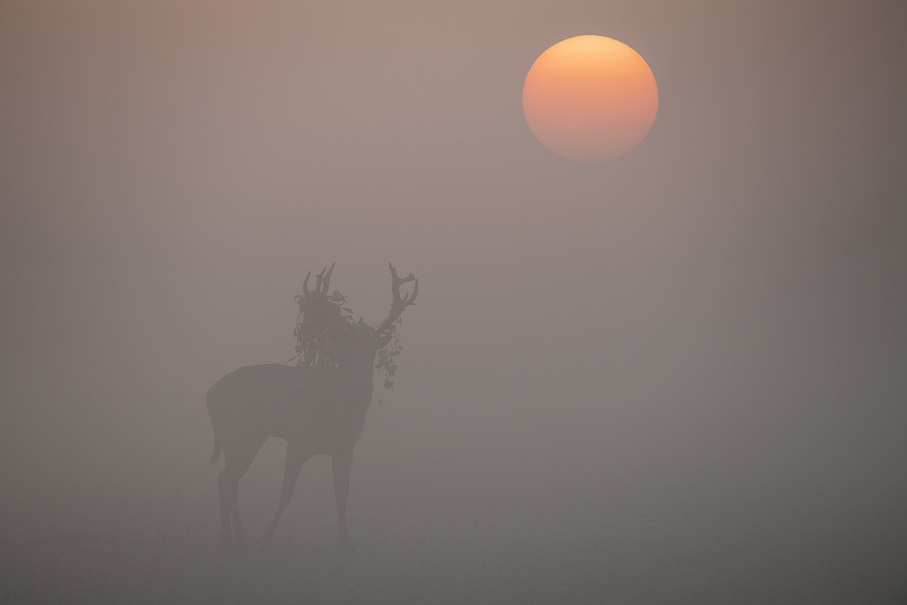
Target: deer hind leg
column 341, row 465
column 226, row 535
column 296, row 456
column 239, row 459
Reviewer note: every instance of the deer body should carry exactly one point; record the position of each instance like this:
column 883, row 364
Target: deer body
column 288, row 402
column 317, row 411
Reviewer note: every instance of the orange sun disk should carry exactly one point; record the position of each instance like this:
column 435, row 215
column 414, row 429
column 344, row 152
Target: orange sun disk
column 590, row 98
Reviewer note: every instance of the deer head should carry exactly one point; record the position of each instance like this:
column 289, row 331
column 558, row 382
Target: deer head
column 327, row 333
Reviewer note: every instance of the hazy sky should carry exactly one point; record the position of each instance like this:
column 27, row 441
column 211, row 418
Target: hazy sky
column 727, row 299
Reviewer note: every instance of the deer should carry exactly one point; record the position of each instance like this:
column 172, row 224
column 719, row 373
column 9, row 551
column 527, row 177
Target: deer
column 315, row 415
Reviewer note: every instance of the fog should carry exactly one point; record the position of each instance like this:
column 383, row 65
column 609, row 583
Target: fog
column 675, row 377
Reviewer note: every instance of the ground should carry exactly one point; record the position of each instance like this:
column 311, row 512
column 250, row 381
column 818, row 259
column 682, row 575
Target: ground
column 447, row 552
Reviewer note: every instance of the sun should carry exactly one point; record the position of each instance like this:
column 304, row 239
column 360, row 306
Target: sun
column 590, row 98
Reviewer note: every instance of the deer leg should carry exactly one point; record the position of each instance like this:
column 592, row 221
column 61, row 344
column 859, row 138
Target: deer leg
column 226, row 537
column 228, row 485
column 296, row 456
column 341, row 465
column 237, row 465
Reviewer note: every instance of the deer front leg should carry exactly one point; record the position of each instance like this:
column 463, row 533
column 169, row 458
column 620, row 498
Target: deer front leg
column 341, row 465
column 296, row 456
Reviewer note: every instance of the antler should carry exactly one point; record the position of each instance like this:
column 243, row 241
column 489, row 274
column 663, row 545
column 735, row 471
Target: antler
column 322, row 283
column 399, row 303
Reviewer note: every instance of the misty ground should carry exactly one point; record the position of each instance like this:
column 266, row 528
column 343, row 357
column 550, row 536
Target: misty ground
column 426, row 544
column 774, row 476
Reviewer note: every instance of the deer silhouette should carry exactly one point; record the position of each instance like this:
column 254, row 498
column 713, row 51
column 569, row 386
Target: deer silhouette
column 316, row 410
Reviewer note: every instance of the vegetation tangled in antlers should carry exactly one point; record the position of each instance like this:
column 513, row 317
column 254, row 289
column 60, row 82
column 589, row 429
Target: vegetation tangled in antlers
column 325, row 326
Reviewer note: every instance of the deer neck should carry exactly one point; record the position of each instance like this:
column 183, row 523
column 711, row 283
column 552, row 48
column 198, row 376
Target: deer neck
column 357, row 385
